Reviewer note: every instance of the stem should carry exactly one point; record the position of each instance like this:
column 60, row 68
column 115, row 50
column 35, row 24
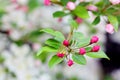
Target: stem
column 70, row 34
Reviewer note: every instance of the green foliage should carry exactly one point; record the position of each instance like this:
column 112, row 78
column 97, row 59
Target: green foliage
column 32, row 4
column 53, row 43
column 54, row 60
column 79, row 59
column 113, row 20
column 46, row 49
column 59, row 14
column 96, row 20
column 81, row 12
column 58, row 35
column 99, row 54
column 73, row 24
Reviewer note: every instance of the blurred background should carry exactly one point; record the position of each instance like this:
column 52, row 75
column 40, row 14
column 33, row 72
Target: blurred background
column 20, row 39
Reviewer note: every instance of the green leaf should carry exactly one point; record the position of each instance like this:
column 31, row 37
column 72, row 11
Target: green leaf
column 46, row 49
column 53, row 43
column 83, row 42
column 48, row 30
column 32, row 4
column 88, row 49
column 58, row 35
column 113, row 20
column 59, row 14
column 64, row 2
column 78, row 36
column 96, row 20
column 99, row 54
column 54, row 61
column 81, row 12
column 80, row 59
column 73, row 24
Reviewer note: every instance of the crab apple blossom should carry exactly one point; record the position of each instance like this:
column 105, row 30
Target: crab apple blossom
column 66, row 43
column 71, row 5
column 60, row 55
column 114, row 2
column 95, row 48
column 82, row 51
column 47, row 2
column 109, row 28
column 70, row 63
column 94, row 39
column 92, row 8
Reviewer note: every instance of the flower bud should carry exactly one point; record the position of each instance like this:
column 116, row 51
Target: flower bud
column 71, row 5
column 92, row 8
column 79, row 20
column 70, row 63
column 109, row 28
column 82, row 51
column 95, row 48
column 114, row 2
column 94, row 39
column 60, row 55
column 66, row 43
column 47, row 2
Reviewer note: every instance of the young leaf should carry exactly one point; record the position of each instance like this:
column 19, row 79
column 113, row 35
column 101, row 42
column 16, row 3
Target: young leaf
column 81, row 12
column 88, row 49
column 48, row 30
column 83, row 42
column 99, row 54
column 53, row 43
column 113, row 20
column 59, row 14
column 80, row 59
column 46, row 49
column 54, row 60
column 78, row 36
column 58, row 35
column 73, row 24
column 96, row 20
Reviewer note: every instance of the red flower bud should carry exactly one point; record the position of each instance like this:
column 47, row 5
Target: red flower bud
column 66, row 43
column 70, row 63
column 94, row 39
column 60, row 55
column 79, row 20
column 82, row 51
column 95, row 48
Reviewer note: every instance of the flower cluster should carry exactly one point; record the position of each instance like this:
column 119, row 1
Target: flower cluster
column 81, row 51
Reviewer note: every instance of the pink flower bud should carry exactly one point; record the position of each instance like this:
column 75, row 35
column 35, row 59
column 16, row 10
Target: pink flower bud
column 92, row 8
column 94, row 39
column 71, row 5
column 70, row 63
column 47, row 2
column 95, row 48
column 109, row 28
column 60, row 19
column 79, row 20
column 82, row 51
column 66, row 43
column 60, row 55
column 114, row 2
